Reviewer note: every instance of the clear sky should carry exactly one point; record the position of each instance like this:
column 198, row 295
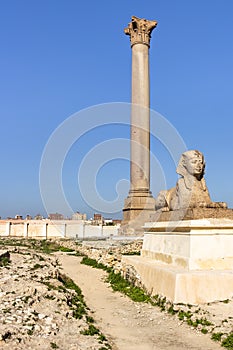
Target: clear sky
column 59, row 57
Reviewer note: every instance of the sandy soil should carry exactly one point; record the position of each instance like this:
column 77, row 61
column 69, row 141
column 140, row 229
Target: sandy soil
column 130, row 325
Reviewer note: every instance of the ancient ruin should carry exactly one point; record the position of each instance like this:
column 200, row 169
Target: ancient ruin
column 139, row 203
column 190, row 198
column 187, row 246
column 186, row 254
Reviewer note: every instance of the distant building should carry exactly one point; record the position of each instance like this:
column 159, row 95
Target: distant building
column 28, row 217
column 38, row 217
column 98, row 219
column 18, row 217
column 108, row 222
column 116, row 221
column 79, row 216
column 55, row 216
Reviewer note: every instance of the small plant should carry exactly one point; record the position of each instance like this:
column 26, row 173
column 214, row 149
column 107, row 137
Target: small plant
column 90, row 319
column 216, row 336
column 4, row 261
column 228, row 342
column 102, row 338
column 171, row 310
column 95, row 264
column 91, row 330
column 74, row 301
column 118, row 283
column 204, row 322
column 226, row 301
column 65, row 249
column 54, row 345
column 204, row 330
column 182, row 315
column 132, row 253
column 77, row 253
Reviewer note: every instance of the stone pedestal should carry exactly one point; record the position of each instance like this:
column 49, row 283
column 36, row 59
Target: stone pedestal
column 140, row 203
column 189, row 261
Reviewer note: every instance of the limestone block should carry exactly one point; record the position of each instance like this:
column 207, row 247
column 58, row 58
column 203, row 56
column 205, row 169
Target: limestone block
column 192, row 244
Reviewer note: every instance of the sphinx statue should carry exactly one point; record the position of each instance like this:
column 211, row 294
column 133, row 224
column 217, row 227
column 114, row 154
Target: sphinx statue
column 191, row 190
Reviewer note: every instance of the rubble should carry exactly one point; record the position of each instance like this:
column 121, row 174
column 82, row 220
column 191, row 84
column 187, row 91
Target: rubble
column 37, row 310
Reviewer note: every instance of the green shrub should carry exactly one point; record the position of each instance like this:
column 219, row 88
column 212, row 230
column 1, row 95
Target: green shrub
column 95, row 264
column 216, row 336
column 91, row 330
column 228, row 342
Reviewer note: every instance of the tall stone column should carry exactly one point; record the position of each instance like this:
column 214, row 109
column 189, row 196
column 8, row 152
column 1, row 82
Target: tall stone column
column 139, row 203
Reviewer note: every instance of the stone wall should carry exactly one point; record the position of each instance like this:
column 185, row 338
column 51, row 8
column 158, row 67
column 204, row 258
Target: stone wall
column 43, row 229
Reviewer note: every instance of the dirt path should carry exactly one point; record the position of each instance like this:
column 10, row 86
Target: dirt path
column 130, row 325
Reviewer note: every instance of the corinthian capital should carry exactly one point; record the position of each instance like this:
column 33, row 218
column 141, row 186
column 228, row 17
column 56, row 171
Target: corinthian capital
column 140, row 30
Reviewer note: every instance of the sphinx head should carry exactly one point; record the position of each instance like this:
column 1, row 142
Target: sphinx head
column 191, row 163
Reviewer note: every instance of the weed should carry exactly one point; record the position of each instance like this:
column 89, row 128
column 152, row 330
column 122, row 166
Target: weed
column 118, row 283
column 228, row 342
column 171, row 310
column 132, row 253
column 160, row 302
column 182, row 315
column 65, row 249
column 95, row 264
column 92, row 330
column 204, row 322
column 77, row 253
column 4, row 261
column 54, row 345
column 216, row 336
column 90, row 319
column 79, row 311
column 226, row 301
column 69, row 284
column 204, row 330
column 75, row 302
column 102, row 338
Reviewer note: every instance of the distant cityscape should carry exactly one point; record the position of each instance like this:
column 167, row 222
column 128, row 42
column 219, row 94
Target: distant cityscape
column 97, row 219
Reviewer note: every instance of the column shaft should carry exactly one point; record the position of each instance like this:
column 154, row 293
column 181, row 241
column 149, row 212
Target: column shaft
column 140, row 120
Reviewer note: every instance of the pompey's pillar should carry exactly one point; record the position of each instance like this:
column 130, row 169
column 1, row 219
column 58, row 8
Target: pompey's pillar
column 139, row 203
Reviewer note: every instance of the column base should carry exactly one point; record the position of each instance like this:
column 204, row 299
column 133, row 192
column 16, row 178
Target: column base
column 138, row 207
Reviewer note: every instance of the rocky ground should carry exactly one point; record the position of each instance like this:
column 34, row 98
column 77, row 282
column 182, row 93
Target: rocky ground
column 41, row 308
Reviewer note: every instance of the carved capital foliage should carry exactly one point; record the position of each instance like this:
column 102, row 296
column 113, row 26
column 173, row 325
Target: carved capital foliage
column 140, row 31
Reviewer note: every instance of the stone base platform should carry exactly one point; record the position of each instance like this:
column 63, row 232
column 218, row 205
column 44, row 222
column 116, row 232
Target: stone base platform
column 180, row 285
column 188, row 261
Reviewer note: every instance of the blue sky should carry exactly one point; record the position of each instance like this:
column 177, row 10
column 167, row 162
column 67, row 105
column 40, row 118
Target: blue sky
column 59, row 57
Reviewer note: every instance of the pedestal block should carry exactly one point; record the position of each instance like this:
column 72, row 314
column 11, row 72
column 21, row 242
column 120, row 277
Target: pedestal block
column 189, row 261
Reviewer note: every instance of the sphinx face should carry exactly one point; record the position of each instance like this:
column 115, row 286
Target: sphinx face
column 195, row 165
